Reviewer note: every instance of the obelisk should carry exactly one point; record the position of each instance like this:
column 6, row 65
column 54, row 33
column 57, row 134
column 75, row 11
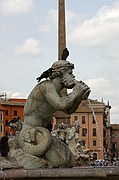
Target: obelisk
column 59, row 115
column 61, row 32
column 61, row 28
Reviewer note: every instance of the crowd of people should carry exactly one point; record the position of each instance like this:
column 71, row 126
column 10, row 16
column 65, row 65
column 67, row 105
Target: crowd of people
column 105, row 163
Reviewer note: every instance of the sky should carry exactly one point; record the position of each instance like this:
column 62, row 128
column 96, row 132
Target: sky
column 29, row 45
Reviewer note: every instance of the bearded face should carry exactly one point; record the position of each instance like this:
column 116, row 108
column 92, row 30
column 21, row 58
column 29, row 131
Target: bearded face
column 68, row 79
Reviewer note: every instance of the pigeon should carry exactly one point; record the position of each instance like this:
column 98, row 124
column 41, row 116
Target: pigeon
column 15, row 124
column 49, row 126
column 65, row 54
column 14, row 120
column 4, row 146
column 45, row 74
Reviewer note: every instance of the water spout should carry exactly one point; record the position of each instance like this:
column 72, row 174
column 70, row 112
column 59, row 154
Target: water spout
column 98, row 129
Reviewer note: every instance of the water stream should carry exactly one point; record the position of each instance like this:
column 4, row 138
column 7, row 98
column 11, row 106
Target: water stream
column 98, row 129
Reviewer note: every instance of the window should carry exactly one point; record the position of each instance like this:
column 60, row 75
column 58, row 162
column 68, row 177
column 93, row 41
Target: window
column 113, row 146
column 84, row 132
column 104, row 142
column 0, row 128
column 95, row 156
column 15, row 113
column 83, row 120
column 93, row 120
column 75, row 118
column 6, row 112
column 94, row 131
column 6, row 122
column 114, row 155
column 94, row 142
column 1, row 116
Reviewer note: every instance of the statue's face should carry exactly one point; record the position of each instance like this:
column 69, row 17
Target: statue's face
column 68, row 79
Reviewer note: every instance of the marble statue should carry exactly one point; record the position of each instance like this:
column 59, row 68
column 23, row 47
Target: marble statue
column 70, row 136
column 37, row 148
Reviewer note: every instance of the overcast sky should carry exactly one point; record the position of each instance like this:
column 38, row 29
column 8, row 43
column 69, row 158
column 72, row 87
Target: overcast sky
column 28, row 45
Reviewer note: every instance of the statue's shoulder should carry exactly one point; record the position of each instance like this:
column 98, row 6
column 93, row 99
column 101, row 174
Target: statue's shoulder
column 47, row 84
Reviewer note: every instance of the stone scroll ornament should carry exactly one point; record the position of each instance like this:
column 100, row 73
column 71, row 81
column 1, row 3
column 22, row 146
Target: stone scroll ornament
column 37, row 148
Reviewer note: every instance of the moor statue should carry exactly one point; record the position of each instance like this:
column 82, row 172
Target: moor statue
column 44, row 100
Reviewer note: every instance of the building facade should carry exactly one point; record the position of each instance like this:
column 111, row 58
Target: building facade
column 94, row 118
column 114, row 129
column 1, row 123
column 9, row 109
column 96, row 133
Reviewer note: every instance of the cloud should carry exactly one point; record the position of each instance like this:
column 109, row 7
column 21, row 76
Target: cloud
column 115, row 109
column 14, row 7
column 44, row 28
column 52, row 16
column 115, row 114
column 51, row 21
column 97, row 83
column 101, row 87
column 100, row 30
column 105, row 89
column 30, row 47
column 15, row 95
column 70, row 16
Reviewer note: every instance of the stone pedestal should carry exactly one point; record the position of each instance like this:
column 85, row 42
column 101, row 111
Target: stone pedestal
column 95, row 173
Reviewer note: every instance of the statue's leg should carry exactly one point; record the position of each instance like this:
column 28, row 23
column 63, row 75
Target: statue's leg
column 34, row 141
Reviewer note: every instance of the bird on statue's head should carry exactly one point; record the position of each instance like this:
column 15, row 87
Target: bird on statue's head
column 46, row 74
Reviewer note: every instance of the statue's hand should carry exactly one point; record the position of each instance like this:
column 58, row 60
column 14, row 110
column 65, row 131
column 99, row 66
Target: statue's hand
column 81, row 90
column 86, row 94
column 30, row 135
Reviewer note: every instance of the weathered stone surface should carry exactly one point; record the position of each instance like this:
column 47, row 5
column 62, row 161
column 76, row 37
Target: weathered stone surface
column 60, row 154
column 33, row 147
column 8, row 163
column 27, row 161
column 44, row 100
column 110, row 173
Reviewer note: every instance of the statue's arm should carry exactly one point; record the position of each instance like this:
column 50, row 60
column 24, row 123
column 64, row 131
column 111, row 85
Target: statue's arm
column 78, row 100
column 82, row 91
column 59, row 103
column 69, row 102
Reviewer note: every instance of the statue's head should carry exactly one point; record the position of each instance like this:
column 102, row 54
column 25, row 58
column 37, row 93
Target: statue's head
column 63, row 69
column 62, row 64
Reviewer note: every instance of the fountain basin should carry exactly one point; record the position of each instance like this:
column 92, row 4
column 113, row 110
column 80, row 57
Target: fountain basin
column 62, row 173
